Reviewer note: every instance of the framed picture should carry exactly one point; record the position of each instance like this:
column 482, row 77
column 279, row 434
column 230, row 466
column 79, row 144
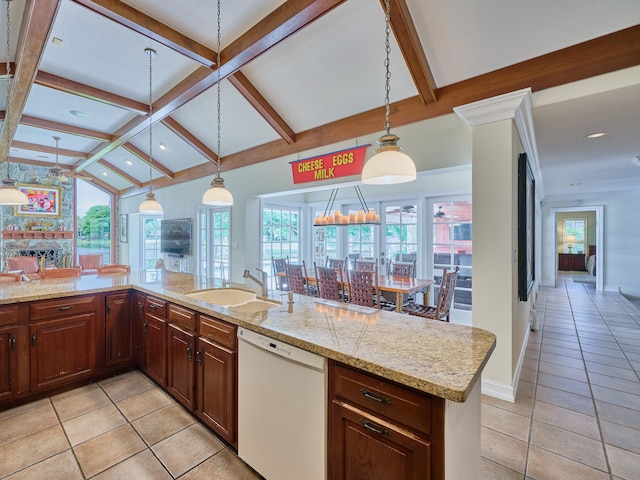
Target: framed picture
column 123, row 228
column 526, row 227
column 44, row 201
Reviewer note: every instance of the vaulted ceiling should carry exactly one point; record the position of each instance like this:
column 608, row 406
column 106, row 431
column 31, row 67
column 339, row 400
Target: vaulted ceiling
column 301, row 74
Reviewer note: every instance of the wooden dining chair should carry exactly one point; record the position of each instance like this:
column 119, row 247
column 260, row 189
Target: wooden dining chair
column 442, row 309
column 366, row 265
column 71, row 272
column 25, row 264
column 336, row 263
column 363, row 288
column 297, row 275
column 90, row 262
column 114, row 269
column 328, row 283
column 280, row 272
column 10, row 277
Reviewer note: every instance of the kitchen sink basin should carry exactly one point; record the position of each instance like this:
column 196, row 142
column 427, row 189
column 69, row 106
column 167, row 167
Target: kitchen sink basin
column 255, row 306
column 223, row 297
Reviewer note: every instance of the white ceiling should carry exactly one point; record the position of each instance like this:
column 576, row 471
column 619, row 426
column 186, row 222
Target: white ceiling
column 330, row 70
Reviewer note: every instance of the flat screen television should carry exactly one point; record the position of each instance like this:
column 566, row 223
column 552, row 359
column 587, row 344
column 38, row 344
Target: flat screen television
column 175, row 237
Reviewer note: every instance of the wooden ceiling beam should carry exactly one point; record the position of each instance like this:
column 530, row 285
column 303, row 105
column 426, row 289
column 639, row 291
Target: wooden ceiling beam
column 37, row 20
column 415, row 58
column 145, row 158
column 189, row 138
column 143, row 24
column 69, row 86
column 119, row 172
column 64, row 128
column 264, row 108
column 3, row 69
column 101, row 184
column 33, row 147
column 613, row 52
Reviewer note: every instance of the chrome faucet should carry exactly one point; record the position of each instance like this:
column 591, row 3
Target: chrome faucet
column 262, row 283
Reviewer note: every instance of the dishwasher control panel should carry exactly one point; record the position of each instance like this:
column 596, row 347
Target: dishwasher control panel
column 282, row 349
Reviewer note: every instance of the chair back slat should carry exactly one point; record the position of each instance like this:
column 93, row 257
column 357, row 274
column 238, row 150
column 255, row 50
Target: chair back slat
column 363, row 288
column 328, row 283
column 297, row 276
column 280, row 272
column 366, row 265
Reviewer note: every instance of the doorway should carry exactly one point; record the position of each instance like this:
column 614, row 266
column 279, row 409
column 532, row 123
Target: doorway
column 592, row 245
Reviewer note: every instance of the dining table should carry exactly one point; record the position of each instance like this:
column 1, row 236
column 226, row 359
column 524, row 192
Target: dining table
column 395, row 284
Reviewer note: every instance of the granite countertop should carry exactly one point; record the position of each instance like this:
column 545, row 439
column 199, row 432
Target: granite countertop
column 436, row 357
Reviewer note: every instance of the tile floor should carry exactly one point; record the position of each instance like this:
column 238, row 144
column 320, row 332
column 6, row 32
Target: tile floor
column 577, row 415
column 577, row 412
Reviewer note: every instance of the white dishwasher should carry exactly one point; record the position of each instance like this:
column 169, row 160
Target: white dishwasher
column 281, row 408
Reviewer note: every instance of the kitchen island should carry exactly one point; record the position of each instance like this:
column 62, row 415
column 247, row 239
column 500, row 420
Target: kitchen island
column 439, row 359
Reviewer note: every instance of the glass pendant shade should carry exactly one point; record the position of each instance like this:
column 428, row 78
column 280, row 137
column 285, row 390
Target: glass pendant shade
column 217, row 195
column 150, row 205
column 10, row 195
column 388, row 165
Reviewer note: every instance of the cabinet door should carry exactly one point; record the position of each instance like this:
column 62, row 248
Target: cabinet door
column 8, row 362
column 363, row 446
column 156, row 348
column 216, row 387
column 139, row 336
column 181, row 369
column 62, row 350
column 119, row 332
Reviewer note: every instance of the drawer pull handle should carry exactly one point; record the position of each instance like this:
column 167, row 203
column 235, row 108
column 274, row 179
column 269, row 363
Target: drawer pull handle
column 12, row 342
column 64, row 308
column 154, row 306
column 375, row 397
column 374, row 428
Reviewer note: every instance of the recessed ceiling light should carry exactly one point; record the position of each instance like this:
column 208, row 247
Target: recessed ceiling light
column 105, row 173
column 162, row 146
column 57, row 41
column 129, row 162
column 577, row 184
column 78, row 113
column 596, row 135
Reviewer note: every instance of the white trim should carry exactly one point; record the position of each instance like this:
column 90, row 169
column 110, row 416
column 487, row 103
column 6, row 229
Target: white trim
column 507, row 392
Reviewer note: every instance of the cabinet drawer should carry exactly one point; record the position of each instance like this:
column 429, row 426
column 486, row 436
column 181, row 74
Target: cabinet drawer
column 382, row 397
column 221, row 332
column 156, row 306
column 8, row 315
column 183, row 317
column 59, row 307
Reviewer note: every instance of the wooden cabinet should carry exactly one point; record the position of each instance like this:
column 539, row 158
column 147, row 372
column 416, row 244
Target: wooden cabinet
column 138, row 319
column 63, row 341
column 155, row 332
column 379, row 429
column 119, row 344
column 216, row 377
column 571, row 261
column 13, row 346
column 180, row 355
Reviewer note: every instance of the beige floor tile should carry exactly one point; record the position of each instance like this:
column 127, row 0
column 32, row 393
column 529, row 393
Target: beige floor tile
column 126, row 385
column 92, row 424
column 576, row 447
column 544, row 465
column 32, row 449
column 563, row 371
column 23, row 408
column 62, row 466
column 503, row 421
column 563, row 383
column 494, row 471
column 577, row 403
column 522, row 406
column 222, row 466
column 616, row 397
column 624, row 464
column 618, row 414
column 503, row 449
column 26, row 423
column 186, row 449
column 621, row 436
column 79, row 401
column 162, row 423
column 103, row 452
column 567, row 419
column 143, row 466
column 143, row 403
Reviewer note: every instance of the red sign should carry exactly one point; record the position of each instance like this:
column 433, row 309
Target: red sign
column 330, row 165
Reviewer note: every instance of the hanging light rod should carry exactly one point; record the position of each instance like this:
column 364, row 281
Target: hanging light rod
column 150, row 205
column 388, row 164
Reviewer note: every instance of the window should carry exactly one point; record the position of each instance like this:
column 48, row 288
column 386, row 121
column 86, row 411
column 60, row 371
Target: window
column 573, row 237
column 212, row 242
column 280, row 236
column 94, row 220
column 401, row 231
column 150, row 241
column 452, row 246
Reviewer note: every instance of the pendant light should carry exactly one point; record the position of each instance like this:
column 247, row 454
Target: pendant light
column 218, row 195
column 150, row 205
column 388, row 164
column 9, row 193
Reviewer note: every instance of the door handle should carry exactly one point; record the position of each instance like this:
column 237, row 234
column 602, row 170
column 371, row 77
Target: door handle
column 12, row 343
column 189, row 352
column 33, row 340
column 374, row 428
column 199, row 357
